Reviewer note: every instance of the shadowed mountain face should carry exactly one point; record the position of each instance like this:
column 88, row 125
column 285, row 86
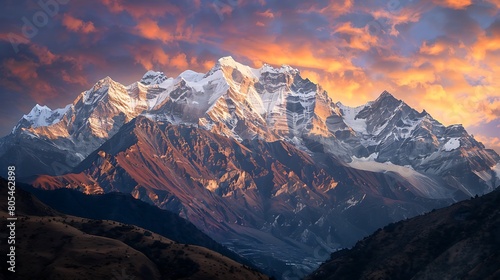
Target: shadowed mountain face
column 458, row 242
column 51, row 245
column 248, row 195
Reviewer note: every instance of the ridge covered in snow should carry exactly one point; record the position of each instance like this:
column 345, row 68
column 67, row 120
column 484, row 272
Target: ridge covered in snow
column 41, row 116
column 153, row 78
column 269, row 103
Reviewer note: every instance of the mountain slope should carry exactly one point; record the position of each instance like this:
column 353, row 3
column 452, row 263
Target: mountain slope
column 53, row 141
column 251, row 194
column 392, row 132
column 458, row 242
column 125, row 209
column 51, row 245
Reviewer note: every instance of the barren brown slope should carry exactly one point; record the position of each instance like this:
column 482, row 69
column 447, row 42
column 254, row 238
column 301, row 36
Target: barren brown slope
column 458, row 242
column 50, row 245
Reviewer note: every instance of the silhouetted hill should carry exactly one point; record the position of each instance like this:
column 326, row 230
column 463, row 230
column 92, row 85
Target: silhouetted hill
column 52, row 245
column 458, row 242
column 125, row 209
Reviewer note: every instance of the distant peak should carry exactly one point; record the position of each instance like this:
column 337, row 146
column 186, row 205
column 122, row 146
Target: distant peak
column 42, row 116
column 107, row 79
column 266, row 68
column 152, row 73
column 386, row 94
column 227, row 60
column 103, row 82
column 153, row 78
column 37, row 111
column 39, row 107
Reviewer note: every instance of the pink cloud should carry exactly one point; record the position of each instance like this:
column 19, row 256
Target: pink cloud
column 77, row 25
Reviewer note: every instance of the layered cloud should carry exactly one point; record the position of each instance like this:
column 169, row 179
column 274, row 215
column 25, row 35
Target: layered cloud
column 442, row 56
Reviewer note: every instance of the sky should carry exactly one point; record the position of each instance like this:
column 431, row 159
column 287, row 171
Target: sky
column 439, row 55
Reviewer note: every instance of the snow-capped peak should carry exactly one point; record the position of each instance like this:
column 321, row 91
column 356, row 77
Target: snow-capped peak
column 44, row 116
column 266, row 68
column 229, row 62
column 105, row 82
column 153, row 78
column 38, row 109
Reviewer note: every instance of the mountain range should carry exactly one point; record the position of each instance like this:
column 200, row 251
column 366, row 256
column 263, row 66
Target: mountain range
column 261, row 160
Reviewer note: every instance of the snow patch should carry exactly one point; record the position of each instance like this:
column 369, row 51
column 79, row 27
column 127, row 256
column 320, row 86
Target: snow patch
column 192, row 76
column 299, row 207
column 349, row 114
column 370, row 158
column 421, row 184
column 496, row 168
column 452, row 144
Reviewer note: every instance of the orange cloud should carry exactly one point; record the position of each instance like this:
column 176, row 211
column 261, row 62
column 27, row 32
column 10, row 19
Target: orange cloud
column 289, row 53
column 489, row 142
column 43, row 54
column 491, row 109
column 149, row 29
column 24, row 70
column 77, row 25
column 26, row 74
column 485, row 44
column 407, row 14
column 334, row 8
column 179, row 61
column 356, row 38
column 140, row 10
column 266, row 14
column 454, row 4
column 150, row 58
column 156, row 58
column 436, row 48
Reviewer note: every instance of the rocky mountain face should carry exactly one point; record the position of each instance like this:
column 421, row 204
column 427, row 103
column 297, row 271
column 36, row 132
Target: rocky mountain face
column 53, row 245
column 53, row 141
column 389, row 131
column 248, row 195
column 260, row 159
column 458, row 242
